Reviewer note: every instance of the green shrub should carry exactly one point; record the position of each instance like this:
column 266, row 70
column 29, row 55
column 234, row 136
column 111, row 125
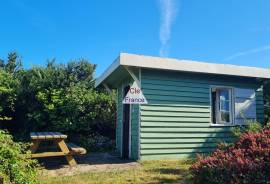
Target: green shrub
column 8, row 87
column 94, row 142
column 56, row 97
column 15, row 165
column 252, row 127
column 246, row 161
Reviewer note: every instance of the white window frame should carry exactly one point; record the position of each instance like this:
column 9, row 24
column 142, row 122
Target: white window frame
column 232, row 113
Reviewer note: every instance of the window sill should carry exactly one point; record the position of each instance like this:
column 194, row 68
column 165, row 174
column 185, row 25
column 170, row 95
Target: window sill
column 222, row 125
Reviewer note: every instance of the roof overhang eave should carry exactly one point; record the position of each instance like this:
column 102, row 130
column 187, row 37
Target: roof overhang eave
column 107, row 72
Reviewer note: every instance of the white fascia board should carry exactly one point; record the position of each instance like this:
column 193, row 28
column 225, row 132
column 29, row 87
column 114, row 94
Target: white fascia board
column 192, row 66
column 108, row 72
column 141, row 61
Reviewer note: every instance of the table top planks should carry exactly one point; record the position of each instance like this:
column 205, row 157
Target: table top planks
column 47, row 135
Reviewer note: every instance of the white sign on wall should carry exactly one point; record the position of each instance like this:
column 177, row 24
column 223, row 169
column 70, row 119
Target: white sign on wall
column 134, row 95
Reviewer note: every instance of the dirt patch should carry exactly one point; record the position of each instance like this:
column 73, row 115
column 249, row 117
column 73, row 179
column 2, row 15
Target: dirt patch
column 93, row 162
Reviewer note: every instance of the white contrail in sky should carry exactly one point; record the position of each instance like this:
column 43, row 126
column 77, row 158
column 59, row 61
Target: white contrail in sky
column 247, row 52
column 168, row 13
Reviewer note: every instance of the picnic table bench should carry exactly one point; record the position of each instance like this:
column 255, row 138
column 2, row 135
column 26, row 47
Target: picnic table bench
column 67, row 149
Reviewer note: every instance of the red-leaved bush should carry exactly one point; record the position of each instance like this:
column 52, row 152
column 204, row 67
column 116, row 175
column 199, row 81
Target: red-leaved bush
column 246, row 161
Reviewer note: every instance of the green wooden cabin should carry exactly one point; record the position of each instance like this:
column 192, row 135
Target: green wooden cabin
column 191, row 106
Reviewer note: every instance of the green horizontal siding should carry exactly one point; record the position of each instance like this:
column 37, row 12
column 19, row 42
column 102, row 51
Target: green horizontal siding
column 176, row 114
column 171, row 98
column 194, row 103
column 159, row 83
column 184, row 140
column 172, row 78
column 182, row 135
column 169, row 156
column 176, row 121
column 171, row 108
column 184, row 129
column 177, row 145
column 134, row 131
column 259, row 106
column 169, row 88
column 176, row 94
column 174, row 124
column 170, row 151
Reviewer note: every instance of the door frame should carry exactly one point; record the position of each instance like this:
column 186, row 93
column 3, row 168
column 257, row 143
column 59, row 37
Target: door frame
column 122, row 125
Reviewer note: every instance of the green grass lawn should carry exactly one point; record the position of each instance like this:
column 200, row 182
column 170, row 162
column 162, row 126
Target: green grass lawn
column 149, row 172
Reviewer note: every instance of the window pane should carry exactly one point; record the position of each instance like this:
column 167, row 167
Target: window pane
column 221, row 105
column 245, row 105
column 225, row 117
column 224, row 94
column 224, row 105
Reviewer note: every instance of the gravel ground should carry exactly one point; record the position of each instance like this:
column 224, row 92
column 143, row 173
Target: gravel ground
column 93, row 162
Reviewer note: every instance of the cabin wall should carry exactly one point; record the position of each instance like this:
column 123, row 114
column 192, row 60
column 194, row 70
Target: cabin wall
column 176, row 121
column 134, row 142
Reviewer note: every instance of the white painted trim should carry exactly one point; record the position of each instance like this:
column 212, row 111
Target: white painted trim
column 107, row 88
column 134, row 77
column 139, row 120
column 108, row 72
column 192, row 66
column 141, row 61
column 230, row 90
column 232, row 123
column 233, row 105
column 224, row 125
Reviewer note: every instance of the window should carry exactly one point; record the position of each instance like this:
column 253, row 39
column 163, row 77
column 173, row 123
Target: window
column 233, row 106
column 221, row 105
column 245, row 105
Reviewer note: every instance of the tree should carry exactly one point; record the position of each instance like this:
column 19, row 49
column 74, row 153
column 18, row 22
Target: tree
column 13, row 64
column 8, row 89
column 63, row 98
column 56, row 97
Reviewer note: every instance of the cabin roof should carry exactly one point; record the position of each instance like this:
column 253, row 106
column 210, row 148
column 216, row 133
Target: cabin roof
column 170, row 64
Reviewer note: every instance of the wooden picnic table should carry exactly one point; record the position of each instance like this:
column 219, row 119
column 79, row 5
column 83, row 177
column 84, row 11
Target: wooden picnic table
column 59, row 139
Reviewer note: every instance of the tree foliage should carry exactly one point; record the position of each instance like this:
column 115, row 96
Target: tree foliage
column 15, row 165
column 8, row 85
column 8, row 95
column 56, row 97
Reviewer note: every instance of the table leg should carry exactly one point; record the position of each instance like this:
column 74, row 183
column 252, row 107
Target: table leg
column 71, row 161
column 34, row 146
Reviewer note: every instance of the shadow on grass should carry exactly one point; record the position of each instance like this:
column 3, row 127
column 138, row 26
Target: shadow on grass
column 92, row 159
column 170, row 175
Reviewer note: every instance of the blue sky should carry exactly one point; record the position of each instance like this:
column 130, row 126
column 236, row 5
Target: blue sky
column 221, row 31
